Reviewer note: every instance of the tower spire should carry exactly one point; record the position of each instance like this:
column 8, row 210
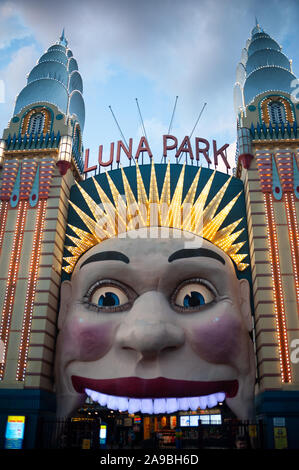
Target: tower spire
column 62, row 39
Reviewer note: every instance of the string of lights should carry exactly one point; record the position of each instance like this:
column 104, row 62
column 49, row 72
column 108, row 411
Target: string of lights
column 3, row 218
column 293, row 237
column 11, row 284
column 31, row 290
column 279, row 308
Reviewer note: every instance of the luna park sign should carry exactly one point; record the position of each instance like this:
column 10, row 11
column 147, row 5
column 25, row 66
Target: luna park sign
column 200, row 152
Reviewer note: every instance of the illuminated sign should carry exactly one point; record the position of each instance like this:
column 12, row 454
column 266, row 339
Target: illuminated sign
column 201, row 150
column 195, row 420
column 14, row 432
column 103, row 434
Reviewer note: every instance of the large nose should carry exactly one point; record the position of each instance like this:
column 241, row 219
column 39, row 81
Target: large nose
column 150, row 327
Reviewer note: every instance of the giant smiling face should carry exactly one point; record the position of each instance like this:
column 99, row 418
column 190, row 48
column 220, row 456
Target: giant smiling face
column 149, row 325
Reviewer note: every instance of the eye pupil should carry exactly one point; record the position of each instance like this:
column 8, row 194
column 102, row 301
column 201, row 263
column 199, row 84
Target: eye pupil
column 109, row 299
column 194, row 300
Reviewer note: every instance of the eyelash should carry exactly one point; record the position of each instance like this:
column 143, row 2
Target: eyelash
column 121, row 308
column 196, row 280
column 105, row 283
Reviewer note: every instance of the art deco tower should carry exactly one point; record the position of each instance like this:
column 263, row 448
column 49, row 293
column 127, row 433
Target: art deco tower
column 268, row 159
column 40, row 157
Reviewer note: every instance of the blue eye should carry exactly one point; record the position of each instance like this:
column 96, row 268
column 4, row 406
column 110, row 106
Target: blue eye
column 194, row 300
column 107, row 296
column 109, row 299
column 194, row 295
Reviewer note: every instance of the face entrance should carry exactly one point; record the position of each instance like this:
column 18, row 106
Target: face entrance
column 154, row 327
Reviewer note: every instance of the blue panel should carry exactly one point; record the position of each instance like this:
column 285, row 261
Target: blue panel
column 75, row 82
column 276, row 186
column 73, row 65
column 43, row 90
column 267, row 57
column 262, row 43
column 54, row 55
column 15, row 195
column 267, row 79
column 77, row 107
column 33, row 198
column 54, row 70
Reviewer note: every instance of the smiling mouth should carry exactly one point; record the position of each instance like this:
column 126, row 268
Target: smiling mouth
column 159, row 395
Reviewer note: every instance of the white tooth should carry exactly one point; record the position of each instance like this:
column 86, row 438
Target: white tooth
column 193, row 403
column 147, row 406
column 102, row 399
column 134, row 405
column 203, row 403
column 220, row 396
column 159, row 405
column 212, row 400
column 112, row 402
column 95, row 396
column 171, row 405
column 88, row 392
column 183, row 404
column 123, row 403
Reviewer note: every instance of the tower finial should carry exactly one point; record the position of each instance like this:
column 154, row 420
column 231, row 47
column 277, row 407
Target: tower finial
column 62, row 39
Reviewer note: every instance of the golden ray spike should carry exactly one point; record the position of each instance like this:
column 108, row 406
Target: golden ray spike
column 176, row 203
column 82, row 234
column 211, row 227
column 165, row 197
column 213, row 205
column 189, row 198
column 188, row 202
column 68, row 269
column 228, row 240
column 110, row 215
column 153, row 211
column 88, row 221
column 93, row 206
column 134, row 216
column 228, row 230
column 80, row 243
column 71, row 260
column 235, row 248
column 141, row 192
column 197, row 212
column 141, row 196
column 121, row 208
column 153, row 192
column 73, row 249
column 242, row 266
column 238, row 258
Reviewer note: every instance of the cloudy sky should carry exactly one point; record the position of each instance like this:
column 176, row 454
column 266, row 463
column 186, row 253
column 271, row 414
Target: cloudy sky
column 152, row 50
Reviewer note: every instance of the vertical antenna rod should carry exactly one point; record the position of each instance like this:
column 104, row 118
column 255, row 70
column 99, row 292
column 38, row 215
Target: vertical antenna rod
column 197, row 120
column 195, row 125
column 141, row 119
column 118, row 126
column 174, row 108
column 123, row 137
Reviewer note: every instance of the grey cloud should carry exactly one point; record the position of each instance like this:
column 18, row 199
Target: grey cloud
column 190, row 48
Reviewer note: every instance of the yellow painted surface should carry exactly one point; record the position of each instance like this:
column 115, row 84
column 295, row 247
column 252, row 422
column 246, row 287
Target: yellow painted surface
column 11, row 220
column 268, row 352
column 42, row 338
column 269, row 367
column 19, row 305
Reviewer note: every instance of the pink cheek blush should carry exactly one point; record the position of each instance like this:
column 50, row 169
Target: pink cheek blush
column 90, row 342
column 218, row 340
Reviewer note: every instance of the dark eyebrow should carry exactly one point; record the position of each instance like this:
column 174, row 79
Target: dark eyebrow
column 106, row 255
column 193, row 252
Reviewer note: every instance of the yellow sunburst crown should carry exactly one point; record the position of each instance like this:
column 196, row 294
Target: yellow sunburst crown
column 122, row 214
